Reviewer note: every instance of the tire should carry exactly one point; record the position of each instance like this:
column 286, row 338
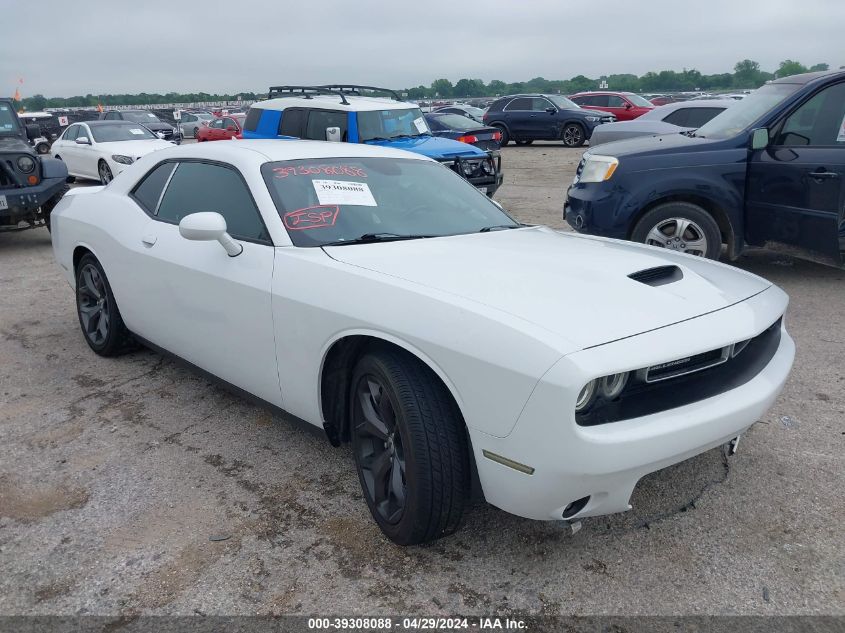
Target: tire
column 99, row 317
column 506, row 137
column 573, row 135
column 104, row 171
column 699, row 233
column 42, row 148
column 47, row 207
column 524, row 142
column 411, row 450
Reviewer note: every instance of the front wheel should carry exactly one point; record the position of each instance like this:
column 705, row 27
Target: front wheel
column 573, row 135
column 99, row 317
column 104, row 171
column 680, row 226
column 410, row 448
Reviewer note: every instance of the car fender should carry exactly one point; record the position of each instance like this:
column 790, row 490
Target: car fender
column 499, row 122
column 53, row 168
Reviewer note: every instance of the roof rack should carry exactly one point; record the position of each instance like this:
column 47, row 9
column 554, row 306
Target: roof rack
column 354, row 89
column 307, row 92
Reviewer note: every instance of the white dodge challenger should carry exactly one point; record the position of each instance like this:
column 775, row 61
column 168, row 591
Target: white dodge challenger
column 375, row 294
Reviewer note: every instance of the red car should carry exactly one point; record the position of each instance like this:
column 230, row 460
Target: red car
column 223, row 128
column 624, row 105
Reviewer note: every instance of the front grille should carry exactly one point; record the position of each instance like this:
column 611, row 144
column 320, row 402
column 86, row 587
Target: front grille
column 7, row 168
column 692, row 379
column 472, row 169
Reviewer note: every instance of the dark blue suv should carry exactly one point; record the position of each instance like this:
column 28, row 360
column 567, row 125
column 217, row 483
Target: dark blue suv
column 536, row 117
column 768, row 171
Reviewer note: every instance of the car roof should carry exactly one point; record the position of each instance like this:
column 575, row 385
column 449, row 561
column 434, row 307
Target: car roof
column 99, row 123
column 275, row 149
column 604, row 92
column 333, row 102
column 806, row 78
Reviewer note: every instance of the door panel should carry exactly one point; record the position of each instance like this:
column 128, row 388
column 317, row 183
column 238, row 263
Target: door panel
column 795, row 195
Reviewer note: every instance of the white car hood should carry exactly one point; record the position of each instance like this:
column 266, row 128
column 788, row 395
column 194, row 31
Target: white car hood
column 576, row 287
column 135, row 149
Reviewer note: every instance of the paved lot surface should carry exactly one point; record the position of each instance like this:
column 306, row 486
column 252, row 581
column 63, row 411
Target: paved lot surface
column 131, row 485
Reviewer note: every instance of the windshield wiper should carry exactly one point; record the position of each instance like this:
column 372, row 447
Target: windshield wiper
column 368, row 238
column 500, row 227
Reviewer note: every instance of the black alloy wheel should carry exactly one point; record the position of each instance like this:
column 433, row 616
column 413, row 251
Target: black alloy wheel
column 105, row 172
column 99, row 316
column 573, row 135
column 410, row 447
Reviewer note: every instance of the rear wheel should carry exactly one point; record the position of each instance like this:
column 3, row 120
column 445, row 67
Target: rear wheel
column 680, row 226
column 573, row 135
column 99, row 317
column 505, row 136
column 410, row 448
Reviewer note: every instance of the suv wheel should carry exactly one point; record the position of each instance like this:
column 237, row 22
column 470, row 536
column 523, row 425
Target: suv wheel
column 680, row 226
column 573, row 135
column 410, row 448
column 99, row 317
column 504, row 132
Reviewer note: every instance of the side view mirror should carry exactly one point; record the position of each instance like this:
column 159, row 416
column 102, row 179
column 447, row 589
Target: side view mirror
column 33, row 131
column 551, row 110
column 628, row 106
column 83, row 140
column 206, row 227
column 333, row 134
column 760, row 138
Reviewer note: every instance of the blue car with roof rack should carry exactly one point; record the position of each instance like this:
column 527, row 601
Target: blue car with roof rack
column 357, row 114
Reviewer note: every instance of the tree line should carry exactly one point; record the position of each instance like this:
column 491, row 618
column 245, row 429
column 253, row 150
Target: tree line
column 747, row 74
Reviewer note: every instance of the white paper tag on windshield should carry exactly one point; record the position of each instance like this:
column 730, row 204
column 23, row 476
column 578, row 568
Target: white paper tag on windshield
column 840, row 138
column 343, row 192
column 419, row 122
column 137, row 131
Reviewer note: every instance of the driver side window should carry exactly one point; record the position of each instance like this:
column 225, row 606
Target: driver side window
column 71, row 133
column 818, row 122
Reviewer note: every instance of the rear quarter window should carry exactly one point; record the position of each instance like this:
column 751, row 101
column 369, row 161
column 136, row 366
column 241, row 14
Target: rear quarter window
column 148, row 191
column 252, row 119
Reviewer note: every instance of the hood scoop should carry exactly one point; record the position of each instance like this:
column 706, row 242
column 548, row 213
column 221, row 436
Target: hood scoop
column 658, row 276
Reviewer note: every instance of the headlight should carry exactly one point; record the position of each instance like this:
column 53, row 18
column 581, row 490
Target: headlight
column 489, row 167
column 612, row 386
column 468, row 168
column 585, row 398
column 593, row 118
column 598, row 168
column 123, row 160
column 26, row 164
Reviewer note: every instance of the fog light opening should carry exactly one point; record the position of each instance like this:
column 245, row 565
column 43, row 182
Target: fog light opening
column 575, row 507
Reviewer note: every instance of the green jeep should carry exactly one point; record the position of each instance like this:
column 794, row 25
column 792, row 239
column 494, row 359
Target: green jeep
column 30, row 185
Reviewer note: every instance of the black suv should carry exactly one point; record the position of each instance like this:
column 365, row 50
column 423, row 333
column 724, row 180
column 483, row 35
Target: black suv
column 149, row 121
column 30, row 185
column 536, row 117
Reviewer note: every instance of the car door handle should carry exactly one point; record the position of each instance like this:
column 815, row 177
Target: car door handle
column 149, row 239
column 823, row 173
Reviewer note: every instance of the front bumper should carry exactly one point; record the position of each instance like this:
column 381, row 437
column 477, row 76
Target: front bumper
column 605, row 462
column 594, row 208
column 24, row 200
column 486, row 183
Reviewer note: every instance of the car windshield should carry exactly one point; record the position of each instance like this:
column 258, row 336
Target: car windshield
column 121, row 132
column 8, row 120
column 637, row 100
column 204, row 116
column 456, row 121
column 738, row 117
column 472, row 111
column 346, row 200
column 563, row 103
column 141, row 117
column 387, row 124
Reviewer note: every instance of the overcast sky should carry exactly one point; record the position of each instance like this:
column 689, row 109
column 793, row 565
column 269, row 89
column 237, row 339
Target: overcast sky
column 158, row 46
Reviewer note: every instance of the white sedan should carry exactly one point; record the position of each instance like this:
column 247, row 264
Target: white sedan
column 375, row 294
column 100, row 150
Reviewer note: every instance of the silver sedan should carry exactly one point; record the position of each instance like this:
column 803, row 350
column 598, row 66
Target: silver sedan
column 192, row 121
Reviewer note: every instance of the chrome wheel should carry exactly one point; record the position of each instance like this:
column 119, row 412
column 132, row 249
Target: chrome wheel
column 93, row 304
column 678, row 234
column 105, row 173
column 573, row 136
column 379, row 450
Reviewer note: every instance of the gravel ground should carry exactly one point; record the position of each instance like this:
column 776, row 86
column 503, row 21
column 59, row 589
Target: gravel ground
column 132, row 485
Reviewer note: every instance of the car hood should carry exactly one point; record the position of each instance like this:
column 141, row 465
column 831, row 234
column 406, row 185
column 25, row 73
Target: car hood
column 134, row 148
column 573, row 286
column 431, row 146
column 586, row 111
column 648, row 144
column 15, row 144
